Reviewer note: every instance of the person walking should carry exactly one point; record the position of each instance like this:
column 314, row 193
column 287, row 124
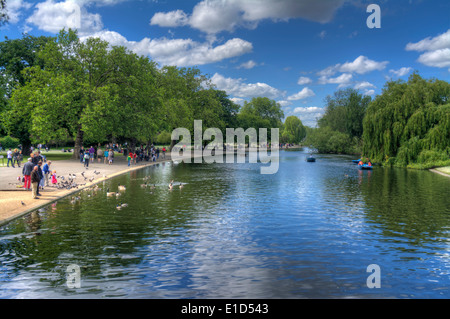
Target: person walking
column 91, row 153
column 26, row 172
column 106, row 155
column 9, row 155
column 35, row 182
column 81, row 154
column 110, row 156
column 99, row 154
column 86, row 159
column 19, row 158
column 46, row 171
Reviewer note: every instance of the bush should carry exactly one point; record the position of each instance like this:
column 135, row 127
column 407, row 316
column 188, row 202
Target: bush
column 9, row 142
column 164, row 138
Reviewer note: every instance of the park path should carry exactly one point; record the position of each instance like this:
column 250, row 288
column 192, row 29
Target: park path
column 16, row 202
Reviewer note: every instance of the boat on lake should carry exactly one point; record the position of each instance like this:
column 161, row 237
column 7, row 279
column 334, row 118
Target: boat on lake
column 310, row 159
column 365, row 167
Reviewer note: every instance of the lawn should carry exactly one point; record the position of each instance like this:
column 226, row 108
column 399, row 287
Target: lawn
column 53, row 155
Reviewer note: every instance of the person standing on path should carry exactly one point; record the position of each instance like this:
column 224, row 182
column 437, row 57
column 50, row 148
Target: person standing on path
column 91, row 153
column 26, row 172
column 86, row 159
column 9, row 155
column 81, row 154
column 110, row 157
column 47, row 172
column 35, row 182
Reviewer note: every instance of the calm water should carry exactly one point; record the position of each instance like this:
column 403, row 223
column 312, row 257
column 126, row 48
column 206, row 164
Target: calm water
column 310, row 230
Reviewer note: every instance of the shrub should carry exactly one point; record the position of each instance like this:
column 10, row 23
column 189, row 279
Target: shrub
column 9, row 142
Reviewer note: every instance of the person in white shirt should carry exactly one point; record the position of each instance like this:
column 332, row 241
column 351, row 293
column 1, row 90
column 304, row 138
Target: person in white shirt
column 9, row 154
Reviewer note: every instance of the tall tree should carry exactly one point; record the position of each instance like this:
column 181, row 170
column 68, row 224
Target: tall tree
column 408, row 122
column 293, row 130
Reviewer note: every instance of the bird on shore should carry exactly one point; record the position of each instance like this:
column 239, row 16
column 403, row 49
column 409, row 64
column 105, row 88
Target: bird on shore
column 96, row 173
column 144, row 185
column 118, row 207
column 110, row 194
column 181, row 186
column 171, row 185
column 124, row 205
column 22, row 203
column 121, row 187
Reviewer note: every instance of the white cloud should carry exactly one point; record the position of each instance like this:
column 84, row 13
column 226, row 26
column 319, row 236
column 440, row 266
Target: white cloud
column 171, row 19
column 238, row 101
column 362, row 65
column 364, row 85
column 53, row 16
column 304, row 80
column 284, row 103
column 369, row 92
column 179, row 52
column 247, row 65
column 439, row 42
column 303, row 94
column 14, row 9
column 237, row 88
column 309, row 115
column 343, row 80
column 437, row 50
column 213, row 16
column 401, row 72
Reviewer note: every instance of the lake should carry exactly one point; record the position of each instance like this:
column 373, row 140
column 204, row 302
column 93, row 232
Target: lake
column 309, row 231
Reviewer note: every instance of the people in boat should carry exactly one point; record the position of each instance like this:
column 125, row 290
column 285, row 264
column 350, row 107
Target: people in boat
column 369, row 164
column 360, row 163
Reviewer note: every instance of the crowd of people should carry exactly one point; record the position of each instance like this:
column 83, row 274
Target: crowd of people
column 36, row 174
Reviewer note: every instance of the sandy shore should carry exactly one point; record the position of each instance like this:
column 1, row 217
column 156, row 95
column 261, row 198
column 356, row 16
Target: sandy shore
column 16, row 202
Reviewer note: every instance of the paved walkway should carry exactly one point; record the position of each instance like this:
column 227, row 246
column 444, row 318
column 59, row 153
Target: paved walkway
column 16, row 202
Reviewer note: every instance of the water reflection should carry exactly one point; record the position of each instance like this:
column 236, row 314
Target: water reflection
column 308, row 231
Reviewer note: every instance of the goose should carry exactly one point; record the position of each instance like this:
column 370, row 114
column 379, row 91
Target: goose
column 121, row 187
column 118, row 194
column 170, row 186
column 124, row 205
column 144, row 185
column 118, row 207
column 181, row 186
column 108, row 193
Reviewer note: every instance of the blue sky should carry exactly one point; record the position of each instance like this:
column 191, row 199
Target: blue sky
column 293, row 51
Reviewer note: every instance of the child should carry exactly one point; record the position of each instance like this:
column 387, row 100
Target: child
column 54, row 181
column 129, row 159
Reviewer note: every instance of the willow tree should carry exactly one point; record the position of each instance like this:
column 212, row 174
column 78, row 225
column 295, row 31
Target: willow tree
column 293, row 130
column 409, row 122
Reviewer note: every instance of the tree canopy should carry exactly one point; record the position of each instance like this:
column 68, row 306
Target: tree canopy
column 341, row 127
column 409, row 123
column 63, row 90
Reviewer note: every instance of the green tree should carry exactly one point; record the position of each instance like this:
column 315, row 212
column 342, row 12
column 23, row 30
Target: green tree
column 293, row 130
column 3, row 14
column 408, row 122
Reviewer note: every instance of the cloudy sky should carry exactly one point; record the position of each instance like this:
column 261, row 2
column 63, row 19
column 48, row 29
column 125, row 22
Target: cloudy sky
column 293, row 51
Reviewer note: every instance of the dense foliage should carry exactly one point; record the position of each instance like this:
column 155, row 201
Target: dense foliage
column 341, row 128
column 63, row 90
column 409, row 124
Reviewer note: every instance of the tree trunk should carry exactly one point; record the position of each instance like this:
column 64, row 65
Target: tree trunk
column 78, row 143
column 133, row 145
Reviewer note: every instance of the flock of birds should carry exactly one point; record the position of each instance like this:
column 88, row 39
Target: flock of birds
column 71, row 182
